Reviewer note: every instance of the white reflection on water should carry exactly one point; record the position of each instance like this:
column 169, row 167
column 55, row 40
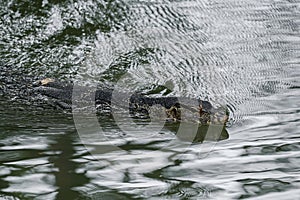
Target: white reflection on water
column 240, row 53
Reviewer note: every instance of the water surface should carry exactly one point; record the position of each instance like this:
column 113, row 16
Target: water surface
column 237, row 53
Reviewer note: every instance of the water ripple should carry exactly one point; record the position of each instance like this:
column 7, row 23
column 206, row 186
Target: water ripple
column 243, row 54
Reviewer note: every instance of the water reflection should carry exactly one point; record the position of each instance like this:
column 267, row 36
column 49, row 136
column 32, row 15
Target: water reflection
column 239, row 53
column 203, row 133
column 36, row 153
column 67, row 178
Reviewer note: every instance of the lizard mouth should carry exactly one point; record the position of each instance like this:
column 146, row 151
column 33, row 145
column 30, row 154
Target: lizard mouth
column 218, row 116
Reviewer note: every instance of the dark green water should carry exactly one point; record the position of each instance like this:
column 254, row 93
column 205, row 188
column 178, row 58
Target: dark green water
column 244, row 54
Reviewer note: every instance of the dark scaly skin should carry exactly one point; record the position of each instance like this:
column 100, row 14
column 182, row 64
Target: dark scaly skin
column 175, row 109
